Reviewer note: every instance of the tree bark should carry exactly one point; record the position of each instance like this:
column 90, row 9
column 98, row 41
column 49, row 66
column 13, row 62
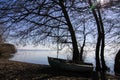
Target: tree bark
column 82, row 48
column 98, row 66
column 72, row 33
column 104, row 67
column 100, row 43
column 81, row 52
column 101, row 38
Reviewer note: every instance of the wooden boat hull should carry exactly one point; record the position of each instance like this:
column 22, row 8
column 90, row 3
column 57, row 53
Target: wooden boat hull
column 64, row 65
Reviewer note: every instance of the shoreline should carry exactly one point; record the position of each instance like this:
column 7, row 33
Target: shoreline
column 11, row 70
column 15, row 70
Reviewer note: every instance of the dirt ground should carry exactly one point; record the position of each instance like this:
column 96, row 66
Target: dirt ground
column 13, row 70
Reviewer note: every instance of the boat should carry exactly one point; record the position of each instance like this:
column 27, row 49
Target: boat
column 67, row 65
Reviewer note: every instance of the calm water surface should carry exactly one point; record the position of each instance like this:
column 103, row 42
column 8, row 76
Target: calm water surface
column 40, row 57
column 35, row 56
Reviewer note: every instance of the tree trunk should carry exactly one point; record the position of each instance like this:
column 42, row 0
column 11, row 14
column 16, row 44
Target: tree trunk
column 72, row 33
column 101, row 38
column 98, row 66
column 81, row 54
column 117, row 64
column 104, row 67
column 83, row 45
column 82, row 49
column 100, row 43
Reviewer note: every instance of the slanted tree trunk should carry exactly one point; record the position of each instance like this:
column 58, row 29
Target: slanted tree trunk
column 72, row 33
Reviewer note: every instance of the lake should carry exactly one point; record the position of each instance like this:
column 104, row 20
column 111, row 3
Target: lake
column 40, row 57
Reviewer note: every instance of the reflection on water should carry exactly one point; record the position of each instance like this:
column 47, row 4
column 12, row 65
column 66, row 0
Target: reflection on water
column 40, row 57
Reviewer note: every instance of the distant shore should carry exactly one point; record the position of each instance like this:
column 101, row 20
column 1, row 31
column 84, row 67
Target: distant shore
column 13, row 70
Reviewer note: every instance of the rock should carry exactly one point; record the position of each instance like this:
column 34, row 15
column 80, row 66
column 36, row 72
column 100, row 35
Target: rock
column 7, row 48
column 117, row 64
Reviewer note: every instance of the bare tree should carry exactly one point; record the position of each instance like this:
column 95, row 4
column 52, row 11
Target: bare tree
column 38, row 20
column 100, row 64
